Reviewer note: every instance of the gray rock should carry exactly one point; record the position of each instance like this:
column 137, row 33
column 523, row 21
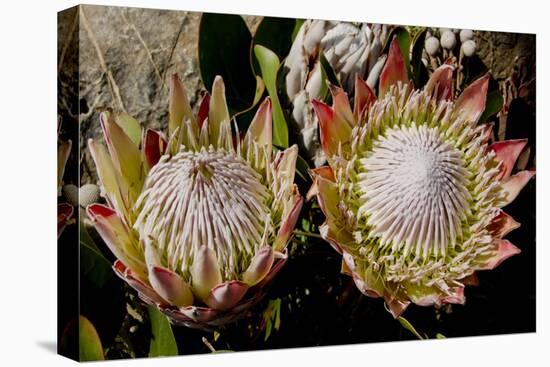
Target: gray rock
column 126, row 56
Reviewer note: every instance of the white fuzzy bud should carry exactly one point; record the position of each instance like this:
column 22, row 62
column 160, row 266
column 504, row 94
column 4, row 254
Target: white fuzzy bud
column 448, row 40
column 466, row 34
column 469, row 48
column 88, row 194
column 432, row 46
column 70, row 193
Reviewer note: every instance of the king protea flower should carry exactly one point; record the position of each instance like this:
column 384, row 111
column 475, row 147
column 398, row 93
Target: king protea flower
column 199, row 222
column 413, row 193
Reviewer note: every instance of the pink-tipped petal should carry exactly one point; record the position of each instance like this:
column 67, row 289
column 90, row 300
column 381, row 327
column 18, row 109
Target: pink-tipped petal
column 487, row 131
column 507, row 152
column 108, row 176
column 440, row 84
column 337, row 236
column 260, row 128
column 179, row 107
column 154, row 146
column 426, row 300
column 456, row 297
column 280, row 260
column 471, row 103
column 64, row 210
column 422, row 295
column 205, row 272
column 288, row 224
column 394, row 70
column 396, row 307
column 471, row 280
column 115, row 234
column 504, row 250
column 285, row 164
column 129, row 277
column 364, row 97
column 151, row 254
column 226, row 295
column 204, row 107
column 323, row 171
column 345, row 269
column 259, row 267
column 369, row 284
column 218, row 112
column 333, row 131
column 326, row 231
column 502, row 224
column 341, row 106
column 64, row 213
column 170, row 286
column 328, row 198
column 512, row 185
column 348, row 259
column 125, row 155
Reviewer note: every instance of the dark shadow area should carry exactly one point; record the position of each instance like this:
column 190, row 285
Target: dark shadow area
column 48, row 345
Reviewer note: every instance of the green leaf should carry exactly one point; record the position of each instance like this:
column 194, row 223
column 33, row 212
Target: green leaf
column 269, row 66
column 274, row 34
column 224, row 49
column 440, row 336
column 89, row 344
column 163, row 342
column 419, row 70
column 407, row 325
column 492, row 105
column 328, row 71
column 302, row 169
column 93, row 264
column 272, row 316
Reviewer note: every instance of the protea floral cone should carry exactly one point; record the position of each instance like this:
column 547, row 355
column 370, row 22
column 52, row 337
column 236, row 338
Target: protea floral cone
column 199, row 220
column 414, row 191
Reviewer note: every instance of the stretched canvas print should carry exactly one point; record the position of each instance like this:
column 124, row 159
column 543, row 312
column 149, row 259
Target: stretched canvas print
column 237, row 183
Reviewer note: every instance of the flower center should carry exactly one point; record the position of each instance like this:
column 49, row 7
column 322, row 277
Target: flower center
column 200, row 198
column 412, row 190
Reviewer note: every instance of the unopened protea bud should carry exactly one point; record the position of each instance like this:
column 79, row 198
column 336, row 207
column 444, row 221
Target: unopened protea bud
column 352, row 50
column 413, row 193
column 199, row 223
